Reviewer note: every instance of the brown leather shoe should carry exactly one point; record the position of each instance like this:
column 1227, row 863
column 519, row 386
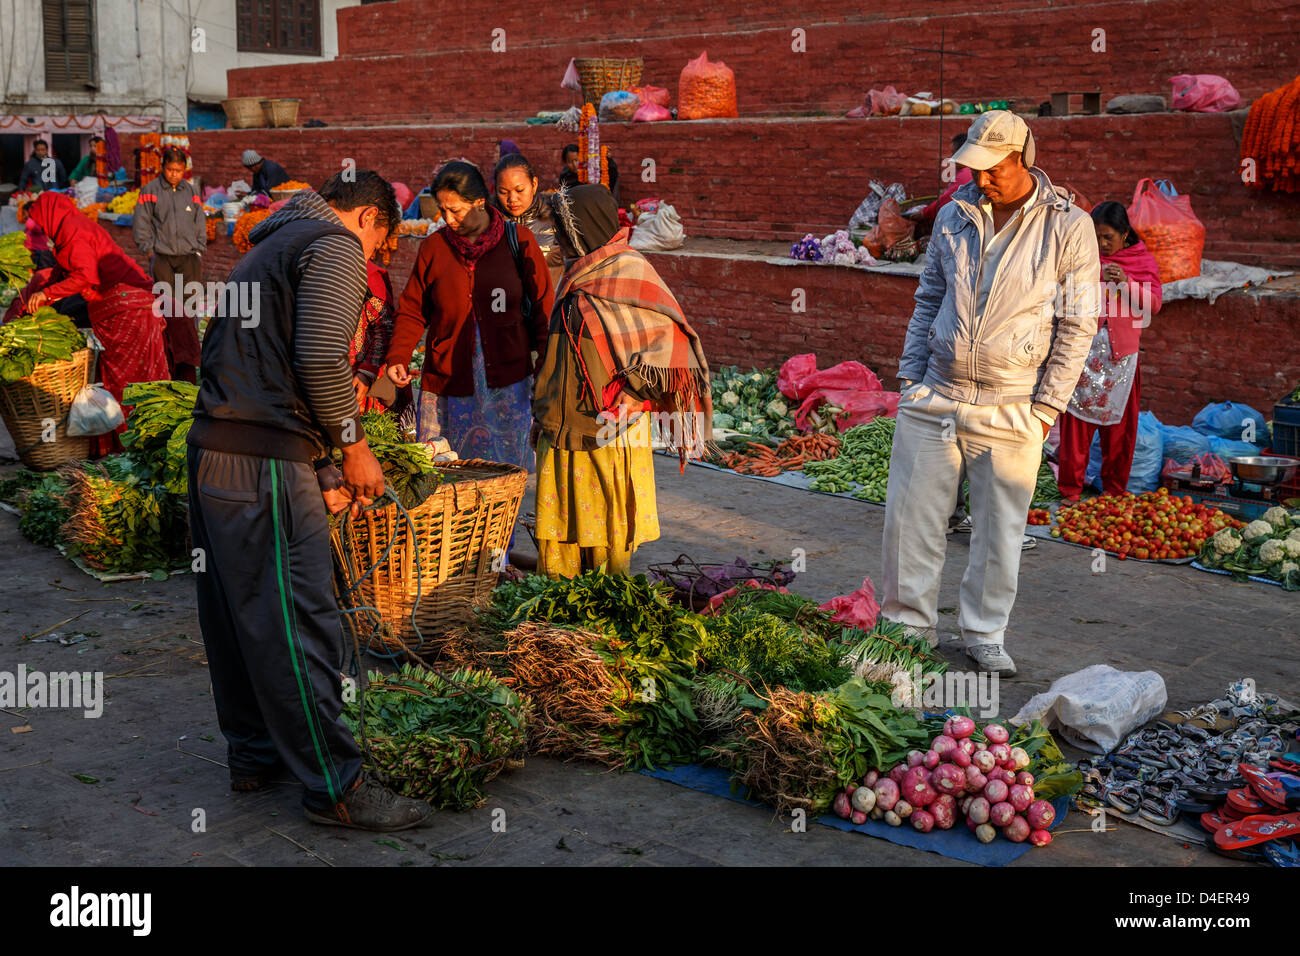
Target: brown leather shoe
column 370, row 806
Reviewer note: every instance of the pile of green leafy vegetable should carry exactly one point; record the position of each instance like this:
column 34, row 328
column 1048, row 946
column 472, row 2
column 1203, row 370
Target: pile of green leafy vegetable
column 409, row 469
column 771, row 652
column 121, row 520
column 160, row 420
column 1045, row 488
column 41, row 503
column 439, row 738
column 15, row 266
column 31, row 340
column 750, row 403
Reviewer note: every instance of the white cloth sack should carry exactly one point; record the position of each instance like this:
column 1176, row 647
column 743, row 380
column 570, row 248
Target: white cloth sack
column 87, row 190
column 94, row 412
column 662, row 230
column 1097, row 707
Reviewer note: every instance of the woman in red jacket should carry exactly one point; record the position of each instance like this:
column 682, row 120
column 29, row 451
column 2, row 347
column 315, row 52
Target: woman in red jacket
column 118, row 294
column 1106, row 398
column 482, row 314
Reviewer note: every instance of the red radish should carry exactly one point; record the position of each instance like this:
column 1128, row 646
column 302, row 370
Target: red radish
column 1001, row 752
column 944, row 811
column 996, row 734
column 886, row 794
column 948, row 778
column 975, row 781
column 1017, row 831
column 897, row 774
column 842, row 806
column 984, row 760
column 942, row 744
column 985, row 833
column 959, row 757
column 1025, row 778
column 850, row 789
column 966, row 746
column 903, row 809
column 981, row 745
column 978, row 810
column 917, row 789
column 864, row 799
column 923, row 821
column 915, row 758
column 971, row 824
column 959, row 727
column 1040, row 837
column 1020, row 797
column 931, row 760
column 857, row 818
column 996, row 791
column 1001, row 814
column 1040, row 815
column 1020, row 757
column 870, row 779
column 965, row 803
column 893, row 819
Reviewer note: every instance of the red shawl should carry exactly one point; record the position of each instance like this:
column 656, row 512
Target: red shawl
column 90, row 262
column 1144, row 287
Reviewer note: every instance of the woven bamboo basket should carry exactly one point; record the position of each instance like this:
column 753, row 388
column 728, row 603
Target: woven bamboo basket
column 462, row 533
column 601, row 74
column 46, row 395
column 280, row 112
column 244, row 112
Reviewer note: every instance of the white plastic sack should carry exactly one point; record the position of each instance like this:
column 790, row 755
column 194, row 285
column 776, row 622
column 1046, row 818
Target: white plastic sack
column 87, row 190
column 238, row 189
column 660, row 231
column 94, row 412
column 571, row 79
column 1097, row 707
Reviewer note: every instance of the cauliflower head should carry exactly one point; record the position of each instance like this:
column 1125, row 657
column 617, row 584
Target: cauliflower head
column 730, row 398
column 1277, row 517
column 1271, row 552
column 1288, row 567
column 1292, row 546
column 777, row 408
column 1226, row 541
column 1257, row 529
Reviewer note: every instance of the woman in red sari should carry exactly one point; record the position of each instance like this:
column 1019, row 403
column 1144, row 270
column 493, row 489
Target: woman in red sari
column 118, row 297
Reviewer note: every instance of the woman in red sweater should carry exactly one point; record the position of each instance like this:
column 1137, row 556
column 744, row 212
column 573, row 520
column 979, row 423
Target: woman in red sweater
column 1106, row 398
column 481, row 313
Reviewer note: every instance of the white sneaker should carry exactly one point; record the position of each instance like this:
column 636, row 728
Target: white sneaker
column 992, row 659
column 1026, row 543
column 961, row 527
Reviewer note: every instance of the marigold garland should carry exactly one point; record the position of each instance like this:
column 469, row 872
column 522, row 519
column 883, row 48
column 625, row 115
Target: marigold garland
column 244, row 224
column 1271, row 140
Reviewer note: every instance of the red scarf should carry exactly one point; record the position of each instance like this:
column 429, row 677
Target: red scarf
column 471, row 250
column 1139, row 267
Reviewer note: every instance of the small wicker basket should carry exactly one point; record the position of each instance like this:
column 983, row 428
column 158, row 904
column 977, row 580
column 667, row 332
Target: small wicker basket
column 46, row 395
column 600, row 75
column 244, row 112
column 280, row 112
column 462, row 532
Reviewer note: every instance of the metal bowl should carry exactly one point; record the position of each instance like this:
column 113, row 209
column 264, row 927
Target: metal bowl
column 1268, row 471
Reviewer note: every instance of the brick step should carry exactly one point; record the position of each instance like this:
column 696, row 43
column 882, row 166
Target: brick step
column 430, row 67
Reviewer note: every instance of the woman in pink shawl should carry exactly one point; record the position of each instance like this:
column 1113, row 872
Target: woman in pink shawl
column 1106, row 398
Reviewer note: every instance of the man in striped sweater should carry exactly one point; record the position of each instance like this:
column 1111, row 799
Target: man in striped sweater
column 275, row 396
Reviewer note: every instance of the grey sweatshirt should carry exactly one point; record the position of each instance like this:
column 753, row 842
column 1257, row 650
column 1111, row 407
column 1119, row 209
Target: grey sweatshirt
column 169, row 220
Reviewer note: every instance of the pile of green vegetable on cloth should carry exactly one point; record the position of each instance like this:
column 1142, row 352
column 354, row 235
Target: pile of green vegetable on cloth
column 1267, row 547
column 31, row 340
column 750, row 403
column 15, row 266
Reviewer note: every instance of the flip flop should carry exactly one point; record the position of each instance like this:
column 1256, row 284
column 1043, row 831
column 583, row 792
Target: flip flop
column 1280, row 853
column 1272, row 790
column 1244, row 802
column 1213, row 822
column 1288, row 764
column 1254, row 830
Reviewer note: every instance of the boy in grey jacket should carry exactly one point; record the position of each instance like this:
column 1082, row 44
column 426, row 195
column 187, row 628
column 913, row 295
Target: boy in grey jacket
column 1005, row 312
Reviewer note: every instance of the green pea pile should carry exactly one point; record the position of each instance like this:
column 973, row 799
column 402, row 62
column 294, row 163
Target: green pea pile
column 862, row 466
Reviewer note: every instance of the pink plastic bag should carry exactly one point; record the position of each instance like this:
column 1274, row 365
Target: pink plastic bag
column 1203, row 93
column 860, row 407
column 650, row 113
column 858, row 609
column 799, row 376
column 886, row 102
column 571, row 79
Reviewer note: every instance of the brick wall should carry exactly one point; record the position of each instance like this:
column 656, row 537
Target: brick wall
column 1193, row 354
column 421, row 61
column 777, row 179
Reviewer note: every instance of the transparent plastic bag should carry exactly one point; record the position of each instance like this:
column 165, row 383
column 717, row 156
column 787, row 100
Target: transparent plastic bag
column 94, row 412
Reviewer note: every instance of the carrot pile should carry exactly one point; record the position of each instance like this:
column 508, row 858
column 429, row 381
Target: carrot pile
column 792, row 454
column 1272, row 139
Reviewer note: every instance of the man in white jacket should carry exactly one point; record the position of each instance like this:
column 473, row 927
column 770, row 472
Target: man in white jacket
column 1005, row 312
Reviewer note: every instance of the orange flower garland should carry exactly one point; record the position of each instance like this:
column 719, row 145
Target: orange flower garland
column 93, row 210
column 244, row 224
column 1271, row 139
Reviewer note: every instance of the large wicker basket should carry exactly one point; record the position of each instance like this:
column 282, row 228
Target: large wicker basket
column 244, row 112
column 28, row 404
column 280, row 112
column 601, row 74
column 462, row 534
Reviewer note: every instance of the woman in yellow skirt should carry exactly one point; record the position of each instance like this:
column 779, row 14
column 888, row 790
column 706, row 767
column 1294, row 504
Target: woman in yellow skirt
column 619, row 351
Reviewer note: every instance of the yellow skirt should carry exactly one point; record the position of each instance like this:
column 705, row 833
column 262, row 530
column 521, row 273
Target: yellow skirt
column 595, row 507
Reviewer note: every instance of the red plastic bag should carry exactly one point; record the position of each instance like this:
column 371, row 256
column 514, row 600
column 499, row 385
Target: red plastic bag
column 1203, row 93
column 651, row 94
column 886, row 102
column 858, row 609
column 706, row 90
column 890, row 229
column 651, row 113
column 799, row 377
column 1171, row 231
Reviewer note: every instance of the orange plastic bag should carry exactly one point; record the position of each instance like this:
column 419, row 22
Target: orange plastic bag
column 1171, row 231
column 706, row 90
column 890, row 228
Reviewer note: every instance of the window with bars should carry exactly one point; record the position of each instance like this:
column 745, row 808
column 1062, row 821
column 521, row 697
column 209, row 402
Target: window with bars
column 69, row 44
column 278, row 26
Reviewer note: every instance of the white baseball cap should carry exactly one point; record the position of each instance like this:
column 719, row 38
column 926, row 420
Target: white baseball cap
column 993, row 137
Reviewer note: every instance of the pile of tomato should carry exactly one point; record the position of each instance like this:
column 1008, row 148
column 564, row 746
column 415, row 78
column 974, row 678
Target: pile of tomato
column 1154, row 525
column 1039, row 516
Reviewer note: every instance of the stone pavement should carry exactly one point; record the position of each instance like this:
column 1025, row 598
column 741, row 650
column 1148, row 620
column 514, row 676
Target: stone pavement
column 152, row 763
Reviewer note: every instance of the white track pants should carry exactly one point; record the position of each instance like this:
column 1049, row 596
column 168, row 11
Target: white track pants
column 1000, row 447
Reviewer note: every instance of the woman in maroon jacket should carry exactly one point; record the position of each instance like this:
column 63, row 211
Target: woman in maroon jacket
column 482, row 314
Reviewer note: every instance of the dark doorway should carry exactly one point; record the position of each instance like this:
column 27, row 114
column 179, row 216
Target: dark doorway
column 67, row 149
column 11, row 157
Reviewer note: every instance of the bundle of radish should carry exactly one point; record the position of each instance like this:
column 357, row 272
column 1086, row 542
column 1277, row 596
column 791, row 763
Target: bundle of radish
column 986, row 781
